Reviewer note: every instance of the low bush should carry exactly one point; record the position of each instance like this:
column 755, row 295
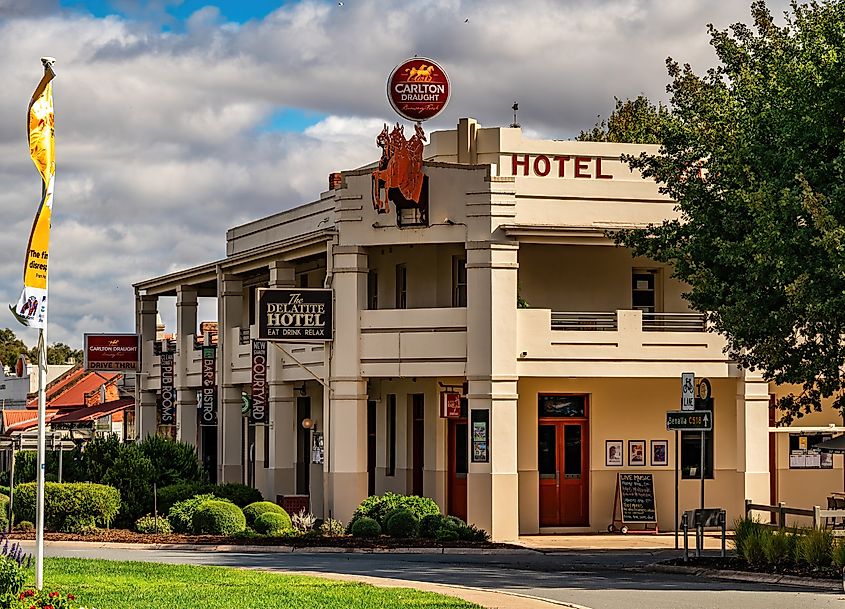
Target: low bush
column 12, row 577
column 366, row 527
column 239, row 494
column 254, row 510
column 778, row 547
column 181, row 515
column 815, row 548
column 839, row 555
column 303, row 522
column 152, row 524
column 379, row 507
column 71, row 507
column 402, row 524
column 24, row 526
column 273, row 524
column 430, row 524
column 332, row 528
column 746, row 540
column 168, row 496
column 216, row 517
column 447, row 534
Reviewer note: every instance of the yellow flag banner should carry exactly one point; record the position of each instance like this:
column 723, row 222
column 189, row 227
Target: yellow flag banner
column 31, row 309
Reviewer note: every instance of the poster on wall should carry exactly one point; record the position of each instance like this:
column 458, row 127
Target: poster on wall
column 258, row 409
column 317, row 447
column 480, row 436
column 659, row 452
column 208, row 394
column 613, row 453
column 636, row 452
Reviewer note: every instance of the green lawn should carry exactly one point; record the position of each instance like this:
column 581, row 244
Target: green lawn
column 136, row 585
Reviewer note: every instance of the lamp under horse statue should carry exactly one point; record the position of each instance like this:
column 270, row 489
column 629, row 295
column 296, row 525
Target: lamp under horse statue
column 401, row 166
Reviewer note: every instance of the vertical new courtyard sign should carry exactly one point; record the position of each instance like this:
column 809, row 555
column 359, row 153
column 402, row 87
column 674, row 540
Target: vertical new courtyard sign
column 258, row 412
column 295, row 315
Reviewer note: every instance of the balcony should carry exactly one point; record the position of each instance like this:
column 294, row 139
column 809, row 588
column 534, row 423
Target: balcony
column 617, row 343
column 414, row 342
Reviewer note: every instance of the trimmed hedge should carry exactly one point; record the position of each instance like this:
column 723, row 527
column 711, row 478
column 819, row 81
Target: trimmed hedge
column 402, row 524
column 168, row 496
column 366, row 527
column 239, row 494
column 254, row 510
column 430, row 524
column 379, row 507
column 69, row 506
column 218, row 517
column 272, row 523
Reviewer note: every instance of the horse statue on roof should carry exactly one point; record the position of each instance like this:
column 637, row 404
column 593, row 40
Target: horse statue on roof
column 401, row 166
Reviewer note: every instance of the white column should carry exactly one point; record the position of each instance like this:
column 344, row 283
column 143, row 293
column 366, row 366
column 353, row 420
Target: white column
column 186, row 397
column 347, row 437
column 231, row 467
column 752, row 438
column 146, row 312
column 493, row 487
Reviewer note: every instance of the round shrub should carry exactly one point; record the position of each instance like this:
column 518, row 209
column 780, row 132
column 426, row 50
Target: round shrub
column 217, row 517
column 447, row 534
column 168, row 496
column 151, row 524
column 254, row 510
column 239, row 494
column 173, row 461
column 24, row 526
column 69, row 506
column 272, row 523
column 379, row 507
column 366, row 527
column 430, row 524
column 181, row 515
column 402, row 524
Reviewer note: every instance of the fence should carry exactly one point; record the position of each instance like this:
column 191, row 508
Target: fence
column 835, row 519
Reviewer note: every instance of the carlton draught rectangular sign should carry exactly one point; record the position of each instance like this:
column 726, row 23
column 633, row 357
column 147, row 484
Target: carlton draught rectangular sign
column 112, row 352
column 295, row 315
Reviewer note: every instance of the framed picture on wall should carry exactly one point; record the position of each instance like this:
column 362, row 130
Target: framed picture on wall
column 613, row 453
column 660, row 452
column 636, row 452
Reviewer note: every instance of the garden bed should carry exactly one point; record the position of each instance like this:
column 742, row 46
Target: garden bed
column 126, row 536
column 735, row 563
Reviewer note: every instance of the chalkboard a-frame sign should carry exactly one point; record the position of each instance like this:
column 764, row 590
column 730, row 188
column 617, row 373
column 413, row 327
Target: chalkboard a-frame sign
column 634, row 504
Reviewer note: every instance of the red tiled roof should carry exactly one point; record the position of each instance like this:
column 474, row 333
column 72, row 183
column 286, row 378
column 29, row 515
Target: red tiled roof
column 14, row 420
column 92, row 413
column 77, row 387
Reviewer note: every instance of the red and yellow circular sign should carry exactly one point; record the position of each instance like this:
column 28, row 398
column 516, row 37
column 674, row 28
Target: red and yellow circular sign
column 418, row 89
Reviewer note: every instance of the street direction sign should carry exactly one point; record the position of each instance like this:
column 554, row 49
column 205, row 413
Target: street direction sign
column 687, row 391
column 686, row 420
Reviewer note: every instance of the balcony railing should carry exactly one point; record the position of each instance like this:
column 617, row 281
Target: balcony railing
column 608, row 321
column 674, row 322
column 584, row 321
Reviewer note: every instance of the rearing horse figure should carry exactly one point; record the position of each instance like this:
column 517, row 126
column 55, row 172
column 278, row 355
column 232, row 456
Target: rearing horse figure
column 401, row 166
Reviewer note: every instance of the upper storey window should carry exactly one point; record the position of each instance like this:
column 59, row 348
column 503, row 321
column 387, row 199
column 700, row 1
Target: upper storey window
column 644, row 290
column 459, row 281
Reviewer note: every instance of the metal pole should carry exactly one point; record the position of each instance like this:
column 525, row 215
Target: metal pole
column 61, row 452
column 677, row 484
column 12, row 488
column 702, row 470
column 42, row 416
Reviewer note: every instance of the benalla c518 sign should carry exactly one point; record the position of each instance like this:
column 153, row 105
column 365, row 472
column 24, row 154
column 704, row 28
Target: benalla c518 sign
column 295, row 314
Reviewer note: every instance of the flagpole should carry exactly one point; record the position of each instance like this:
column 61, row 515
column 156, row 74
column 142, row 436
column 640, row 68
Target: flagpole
column 42, row 416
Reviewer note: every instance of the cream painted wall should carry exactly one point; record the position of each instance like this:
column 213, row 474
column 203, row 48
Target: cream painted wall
column 630, row 409
column 589, row 278
column 429, row 269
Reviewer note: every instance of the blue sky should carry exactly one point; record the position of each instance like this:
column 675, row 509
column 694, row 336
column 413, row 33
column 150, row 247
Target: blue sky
column 238, row 11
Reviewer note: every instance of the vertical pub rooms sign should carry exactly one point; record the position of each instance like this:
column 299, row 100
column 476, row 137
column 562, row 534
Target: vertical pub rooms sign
column 295, row 314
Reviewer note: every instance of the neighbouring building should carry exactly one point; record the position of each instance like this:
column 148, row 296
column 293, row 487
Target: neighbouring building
column 501, row 302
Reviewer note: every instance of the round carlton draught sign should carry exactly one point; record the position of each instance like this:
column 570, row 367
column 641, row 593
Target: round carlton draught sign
column 418, row 89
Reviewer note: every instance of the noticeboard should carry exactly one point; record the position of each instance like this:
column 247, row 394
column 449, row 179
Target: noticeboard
column 636, row 497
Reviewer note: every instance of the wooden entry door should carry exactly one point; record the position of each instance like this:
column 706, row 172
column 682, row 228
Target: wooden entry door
column 563, row 449
column 458, row 467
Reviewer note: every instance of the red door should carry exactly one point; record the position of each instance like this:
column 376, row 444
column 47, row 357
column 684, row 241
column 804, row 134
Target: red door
column 563, row 449
column 458, row 466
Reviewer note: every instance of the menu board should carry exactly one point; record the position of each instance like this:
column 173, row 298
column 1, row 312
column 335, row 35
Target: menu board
column 636, row 493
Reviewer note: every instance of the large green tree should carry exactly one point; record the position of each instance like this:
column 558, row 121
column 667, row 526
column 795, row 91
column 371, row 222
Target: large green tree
column 635, row 121
column 754, row 154
column 10, row 348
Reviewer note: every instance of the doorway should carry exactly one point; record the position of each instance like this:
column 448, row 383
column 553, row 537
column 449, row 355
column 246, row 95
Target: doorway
column 303, row 446
column 458, row 467
column 371, row 447
column 563, row 461
column 417, row 442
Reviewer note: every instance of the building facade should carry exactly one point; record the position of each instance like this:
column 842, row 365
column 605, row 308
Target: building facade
column 560, row 353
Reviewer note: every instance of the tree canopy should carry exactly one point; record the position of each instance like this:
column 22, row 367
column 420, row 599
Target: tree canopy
column 11, row 347
column 754, row 155
column 635, row 121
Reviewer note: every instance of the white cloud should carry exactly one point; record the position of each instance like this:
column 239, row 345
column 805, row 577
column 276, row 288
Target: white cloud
column 159, row 138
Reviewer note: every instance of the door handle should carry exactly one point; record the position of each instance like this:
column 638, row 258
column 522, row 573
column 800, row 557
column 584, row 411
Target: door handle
column 557, row 478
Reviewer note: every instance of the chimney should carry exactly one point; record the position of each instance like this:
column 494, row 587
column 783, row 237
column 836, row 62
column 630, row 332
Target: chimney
column 335, row 180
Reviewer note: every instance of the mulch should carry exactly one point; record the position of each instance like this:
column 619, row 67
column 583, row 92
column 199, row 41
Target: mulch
column 126, row 536
column 734, row 563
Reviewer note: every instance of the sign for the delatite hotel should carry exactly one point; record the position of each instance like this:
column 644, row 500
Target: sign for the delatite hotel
column 295, row 314
column 112, row 352
column 418, row 89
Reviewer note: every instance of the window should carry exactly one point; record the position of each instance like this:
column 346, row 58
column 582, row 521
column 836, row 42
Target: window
column 691, row 454
column 644, row 290
column 401, row 286
column 562, row 406
column 459, row 281
column 803, row 453
column 391, row 435
column 303, row 280
column 372, row 290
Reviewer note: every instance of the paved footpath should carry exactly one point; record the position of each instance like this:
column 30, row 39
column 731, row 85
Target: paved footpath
column 596, row 579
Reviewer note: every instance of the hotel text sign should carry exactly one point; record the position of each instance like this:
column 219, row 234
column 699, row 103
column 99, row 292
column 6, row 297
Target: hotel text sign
column 295, row 315
column 559, row 166
column 418, row 89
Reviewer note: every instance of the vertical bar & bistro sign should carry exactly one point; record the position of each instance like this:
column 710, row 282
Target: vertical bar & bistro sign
column 208, row 401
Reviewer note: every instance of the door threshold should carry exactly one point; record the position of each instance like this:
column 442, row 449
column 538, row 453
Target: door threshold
column 565, row 530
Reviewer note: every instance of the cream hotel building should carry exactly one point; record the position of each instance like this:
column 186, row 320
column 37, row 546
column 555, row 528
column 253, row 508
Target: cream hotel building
column 502, row 288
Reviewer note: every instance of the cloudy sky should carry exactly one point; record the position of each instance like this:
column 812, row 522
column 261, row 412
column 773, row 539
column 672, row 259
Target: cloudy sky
column 176, row 119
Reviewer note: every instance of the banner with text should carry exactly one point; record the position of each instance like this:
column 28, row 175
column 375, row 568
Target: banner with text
column 167, row 398
column 295, row 314
column 258, row 412
column 208, row 395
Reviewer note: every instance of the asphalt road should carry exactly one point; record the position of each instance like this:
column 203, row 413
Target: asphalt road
column 598, row 580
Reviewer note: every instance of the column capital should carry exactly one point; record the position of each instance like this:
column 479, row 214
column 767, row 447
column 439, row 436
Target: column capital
column 186, row 296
